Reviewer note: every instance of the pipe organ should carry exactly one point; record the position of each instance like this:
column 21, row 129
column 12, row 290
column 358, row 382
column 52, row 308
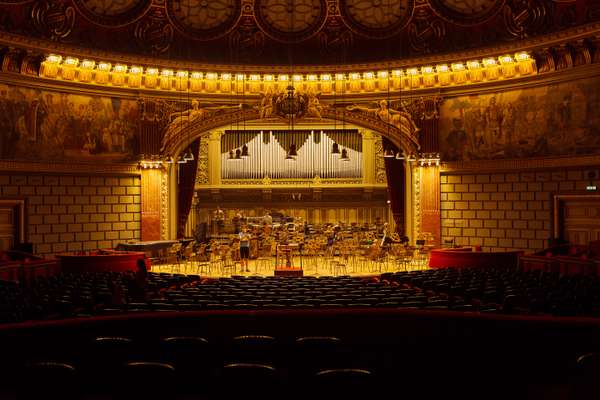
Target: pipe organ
column 285, row 154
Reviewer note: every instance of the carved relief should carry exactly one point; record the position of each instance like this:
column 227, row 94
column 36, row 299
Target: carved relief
column 417, row 207
column 425, row 32
column 335, row 39
column 380, row 175
column 466, row 12
column 53, row 20
column 164, row 206
column 523, row 18
column 202, row 176
column 12, row 60
column 398, row 118
column 246, row 41
column 112, row 12
column 154, row 34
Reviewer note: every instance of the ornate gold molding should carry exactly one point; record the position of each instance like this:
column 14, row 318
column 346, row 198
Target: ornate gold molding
column 548, row 40
column 164, row 205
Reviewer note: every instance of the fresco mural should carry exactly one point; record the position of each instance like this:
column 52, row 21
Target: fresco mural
column 55, row 126
column 553, row 120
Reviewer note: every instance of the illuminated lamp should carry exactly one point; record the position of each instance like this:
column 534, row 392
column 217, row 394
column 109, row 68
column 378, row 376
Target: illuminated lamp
column 369, row 81
column 134, row 77
column 151, row 78
column 254, row 83
column 86, row 70
column 210, row 81
column 354, row 82
column 492, row 70
column 525, row 63
column 383, row 80
column 508, row 66
column 398, row 79
column 340, row 83
column 49, row 67
column 69, row 68
column 196, row 81
column 475, row 71
column 298, row 81
column 325, row 83
column 166, row 79
column 282, row 82
column 268, row 81
column 240, row 80
column 312, row 82
column 415, row 79
column 459, row 73
column 181, row 80
column 389, row 153
column 443, row 73
column 102, row 72
column 118, row 74
column 400, row 155
column 428, row 74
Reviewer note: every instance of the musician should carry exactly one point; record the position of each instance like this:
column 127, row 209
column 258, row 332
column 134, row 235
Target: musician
column 219, row 218
column 245, row 237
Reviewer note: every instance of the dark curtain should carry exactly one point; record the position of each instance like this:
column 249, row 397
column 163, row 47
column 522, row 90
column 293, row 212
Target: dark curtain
column 396, row 184
column 187, row 180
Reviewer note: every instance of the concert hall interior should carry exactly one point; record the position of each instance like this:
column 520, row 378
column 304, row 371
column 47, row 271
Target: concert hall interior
column 305, row 197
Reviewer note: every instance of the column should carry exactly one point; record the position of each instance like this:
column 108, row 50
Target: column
column 368, row 157
column 214, row 158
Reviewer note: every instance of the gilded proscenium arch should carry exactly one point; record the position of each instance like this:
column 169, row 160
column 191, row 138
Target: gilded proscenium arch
column 404, row 139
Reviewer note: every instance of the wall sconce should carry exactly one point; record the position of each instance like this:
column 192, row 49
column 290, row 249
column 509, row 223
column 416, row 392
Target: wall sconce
column 181, row 81
column 166, row 79
column 340, row 83
column 428, row 74
column 492, row 71
column 326, row 83
column 134, row 78
column 383, row 80
column 118, row 75
column 254, row 83
column 69, row 68
column 282, row 82
column 211, row 82
column 369, row 81
column 151, row 78
column 225, row 83
column 196, row 81
column 397, row 78
column 443, row 74
column 508, row 66
column 459, row 73
column 86, row 71
column 354, row 82
column 415, row 79
column 475, row 72
column 49, row 67
column 525, row 63
column 268, row 81
column 102, row 72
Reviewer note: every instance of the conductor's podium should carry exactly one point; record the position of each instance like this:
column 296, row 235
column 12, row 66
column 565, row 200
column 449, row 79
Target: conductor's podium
column 288, row 260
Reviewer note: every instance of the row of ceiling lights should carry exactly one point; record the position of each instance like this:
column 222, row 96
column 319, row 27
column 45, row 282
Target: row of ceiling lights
column 89, row 71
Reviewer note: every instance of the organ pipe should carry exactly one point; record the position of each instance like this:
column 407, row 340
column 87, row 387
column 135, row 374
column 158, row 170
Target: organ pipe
column 268, row 150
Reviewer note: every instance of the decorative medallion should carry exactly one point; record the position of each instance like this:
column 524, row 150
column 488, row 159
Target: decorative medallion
column 204, row 19
column 290, row 20
column 154, row 34
column 55, row 21
column 376, row 18
column 466, row 12
column 112, row 13
column 524, row 18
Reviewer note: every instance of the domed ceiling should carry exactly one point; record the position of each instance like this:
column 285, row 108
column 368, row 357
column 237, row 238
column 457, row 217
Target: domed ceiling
column 290, row 31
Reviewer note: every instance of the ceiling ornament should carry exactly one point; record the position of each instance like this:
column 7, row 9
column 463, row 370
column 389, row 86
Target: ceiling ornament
column 112, row 13
column 154, row 34
column 290, row 21
column 335, row 39
column 204, row 19
column 524, row 18
column 246, row 41
column 466, row 12
column 425, row 32
column 376, row 18
column 52, row 20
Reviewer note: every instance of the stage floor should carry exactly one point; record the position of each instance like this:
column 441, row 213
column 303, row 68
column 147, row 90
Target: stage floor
column 313, row 266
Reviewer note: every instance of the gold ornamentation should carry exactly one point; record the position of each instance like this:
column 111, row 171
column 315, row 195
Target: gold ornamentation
column 524, row 17
column 202, row 175
column 164, row 205
column 380, row 174
column 293, row 22
column 154, row 34
column 373, row 19
column 53, row 20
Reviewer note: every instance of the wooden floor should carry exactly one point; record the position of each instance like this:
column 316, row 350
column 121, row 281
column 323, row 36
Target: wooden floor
column 311, row 266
